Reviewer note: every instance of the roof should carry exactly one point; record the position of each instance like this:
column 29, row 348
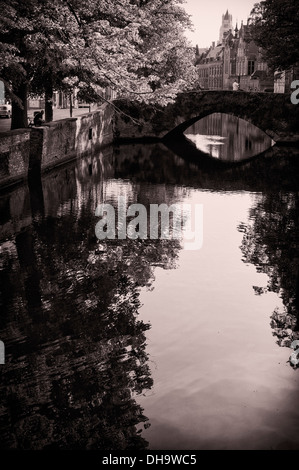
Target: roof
column 214, row 52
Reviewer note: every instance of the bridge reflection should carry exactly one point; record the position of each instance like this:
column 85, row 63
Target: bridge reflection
column 227, row 137
column 182, row 164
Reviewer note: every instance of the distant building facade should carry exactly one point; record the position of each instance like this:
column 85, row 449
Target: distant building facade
column 210, row 69
column 236, row 57
column 62, row 100
column 243, row 61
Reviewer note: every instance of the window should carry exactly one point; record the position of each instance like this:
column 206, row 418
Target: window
column 250, row 67
column 233, row 69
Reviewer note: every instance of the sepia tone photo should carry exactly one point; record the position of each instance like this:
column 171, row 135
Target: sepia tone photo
column 149, row 240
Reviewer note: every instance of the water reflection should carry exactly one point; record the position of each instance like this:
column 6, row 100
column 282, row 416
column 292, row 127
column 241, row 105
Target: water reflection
column 271, row 243
column 75, row 350
column 77, row 367
column 227, row 137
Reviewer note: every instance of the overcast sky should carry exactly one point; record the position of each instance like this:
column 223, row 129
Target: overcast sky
column 207, row 17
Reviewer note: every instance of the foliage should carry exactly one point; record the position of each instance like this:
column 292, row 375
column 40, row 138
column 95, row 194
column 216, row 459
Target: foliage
column 274, row 27
column 135, row 47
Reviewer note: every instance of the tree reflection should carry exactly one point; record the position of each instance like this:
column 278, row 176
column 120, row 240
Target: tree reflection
column 271, row 243
column 76, row 356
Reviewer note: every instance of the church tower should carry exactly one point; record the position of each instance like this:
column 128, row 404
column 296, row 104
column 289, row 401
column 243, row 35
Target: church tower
column 227, row 24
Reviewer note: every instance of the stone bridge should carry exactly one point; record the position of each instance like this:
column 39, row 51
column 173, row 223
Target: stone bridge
column 61, row 141
column 271, row 112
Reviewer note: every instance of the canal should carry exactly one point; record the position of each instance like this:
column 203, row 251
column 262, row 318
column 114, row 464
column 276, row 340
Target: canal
column 132, row 344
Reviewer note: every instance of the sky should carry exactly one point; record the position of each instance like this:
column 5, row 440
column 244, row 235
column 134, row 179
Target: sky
column 206, row 16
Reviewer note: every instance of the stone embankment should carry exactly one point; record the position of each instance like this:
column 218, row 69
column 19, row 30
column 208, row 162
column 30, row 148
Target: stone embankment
column 60, row 141
column 52, row 144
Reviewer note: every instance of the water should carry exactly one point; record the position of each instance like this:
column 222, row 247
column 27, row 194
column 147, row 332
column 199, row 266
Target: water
column 141, row 344
column 227, row 137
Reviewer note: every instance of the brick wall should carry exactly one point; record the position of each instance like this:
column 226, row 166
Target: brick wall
column 94, row 130
column 53, row 144
column 60, row 141
column 14, row 156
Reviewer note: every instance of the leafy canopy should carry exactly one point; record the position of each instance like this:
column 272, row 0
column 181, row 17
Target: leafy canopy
column 274, row 27
column 136, row 47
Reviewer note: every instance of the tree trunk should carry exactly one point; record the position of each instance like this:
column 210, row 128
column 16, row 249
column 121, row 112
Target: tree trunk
column 49, row 100
column 19, row 117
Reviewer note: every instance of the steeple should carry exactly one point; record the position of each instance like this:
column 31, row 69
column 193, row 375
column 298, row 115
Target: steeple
column 226, row 25
column 236, row 30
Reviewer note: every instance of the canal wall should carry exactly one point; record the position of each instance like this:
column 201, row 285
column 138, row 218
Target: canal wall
column 14, row 156
column 57, row 142
column 53, row 192
column 52, row 144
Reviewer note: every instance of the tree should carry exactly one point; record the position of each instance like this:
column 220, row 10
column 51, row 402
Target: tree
column 136, row 47
column 274, row 27
column 30, row 31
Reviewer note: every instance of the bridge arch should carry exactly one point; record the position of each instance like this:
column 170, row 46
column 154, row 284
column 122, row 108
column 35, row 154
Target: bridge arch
column 268, row 111
column 273, row 113
column 183, row 126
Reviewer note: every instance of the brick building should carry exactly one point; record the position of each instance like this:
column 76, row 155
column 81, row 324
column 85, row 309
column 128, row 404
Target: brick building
column 236, row 57
column 210, row 69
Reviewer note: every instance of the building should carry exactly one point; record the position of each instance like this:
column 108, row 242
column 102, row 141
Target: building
column 63, row 100
column 230, row 59
column 243, row 61
column 210, row 69
column 211, row 62
column 236, row 57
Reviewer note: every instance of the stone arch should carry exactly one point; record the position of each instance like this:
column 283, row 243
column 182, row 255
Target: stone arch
column 255, row 108
column 273, row 113
column 180, row 128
